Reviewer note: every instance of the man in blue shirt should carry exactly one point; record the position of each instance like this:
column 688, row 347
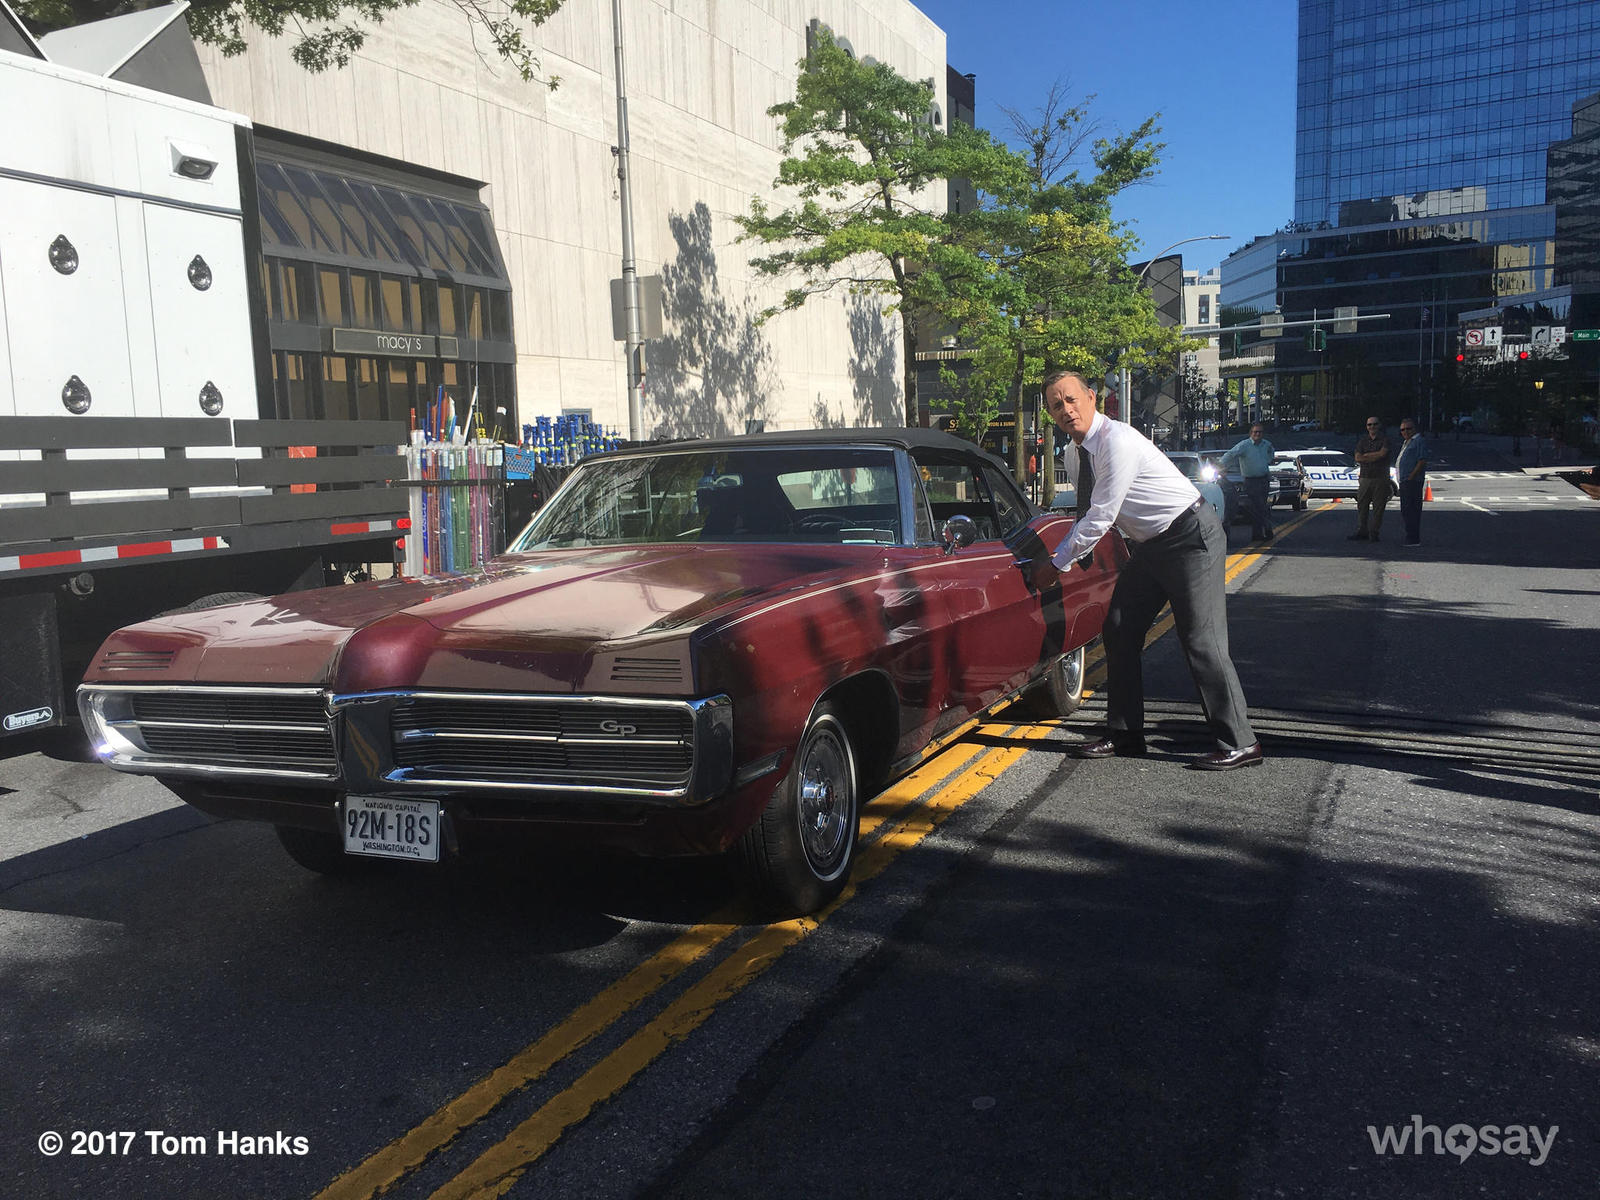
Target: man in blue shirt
column 1254, row 456
column 1411, row 469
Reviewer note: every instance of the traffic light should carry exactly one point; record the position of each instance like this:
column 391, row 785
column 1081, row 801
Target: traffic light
column 1522, row 354
column 1316, row 340
column 1461, row 357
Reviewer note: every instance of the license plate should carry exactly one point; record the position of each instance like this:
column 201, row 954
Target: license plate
column 383, row 828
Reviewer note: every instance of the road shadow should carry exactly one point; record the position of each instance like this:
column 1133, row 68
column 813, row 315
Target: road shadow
column 1527, row 536
column 1163, row 990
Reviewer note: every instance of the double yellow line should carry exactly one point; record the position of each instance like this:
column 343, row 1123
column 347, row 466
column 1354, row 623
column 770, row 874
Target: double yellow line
column 893, row 822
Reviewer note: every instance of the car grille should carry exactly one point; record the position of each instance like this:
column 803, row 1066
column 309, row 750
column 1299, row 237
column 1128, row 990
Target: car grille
column 257, row 729
column 548, row 741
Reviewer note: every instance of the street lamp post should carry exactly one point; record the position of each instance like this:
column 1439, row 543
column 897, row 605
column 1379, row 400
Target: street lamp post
column 1125, row 377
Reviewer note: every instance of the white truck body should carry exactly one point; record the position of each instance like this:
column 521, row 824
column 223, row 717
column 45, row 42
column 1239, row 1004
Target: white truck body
column 96, row 162
column 140, row 470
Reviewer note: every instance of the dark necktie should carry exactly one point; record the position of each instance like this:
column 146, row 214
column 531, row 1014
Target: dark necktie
column 1085, row 481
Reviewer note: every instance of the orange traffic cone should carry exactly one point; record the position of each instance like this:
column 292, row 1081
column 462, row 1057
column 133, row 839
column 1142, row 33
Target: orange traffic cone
column 1427, row 491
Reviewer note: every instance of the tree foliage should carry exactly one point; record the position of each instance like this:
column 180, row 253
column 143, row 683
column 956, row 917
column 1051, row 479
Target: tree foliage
column 327, row 32
column 860, row 161
column 1061, row 295
column 1034, row 276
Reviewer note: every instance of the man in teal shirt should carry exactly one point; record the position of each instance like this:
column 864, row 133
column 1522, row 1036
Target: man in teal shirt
column 1254, row 456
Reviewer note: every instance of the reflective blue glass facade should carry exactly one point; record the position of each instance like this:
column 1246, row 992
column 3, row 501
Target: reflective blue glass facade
column 1425, row 134
column 1397, row 97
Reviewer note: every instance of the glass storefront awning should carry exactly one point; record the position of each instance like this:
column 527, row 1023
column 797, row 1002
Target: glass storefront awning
column 312, row 212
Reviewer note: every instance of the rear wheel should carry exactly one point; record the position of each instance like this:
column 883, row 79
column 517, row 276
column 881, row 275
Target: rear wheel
column 1060, row 692
column 799, row 852
column 318, row 851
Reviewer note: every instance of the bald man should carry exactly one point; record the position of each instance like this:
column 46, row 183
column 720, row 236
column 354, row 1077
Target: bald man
column 1178, row 552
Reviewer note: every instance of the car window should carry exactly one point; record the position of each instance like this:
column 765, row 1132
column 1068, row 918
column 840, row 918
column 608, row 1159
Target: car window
column 834, row 486
column 789, row 494
column 1329, row 458
column 1008, row 503
column 955, row 488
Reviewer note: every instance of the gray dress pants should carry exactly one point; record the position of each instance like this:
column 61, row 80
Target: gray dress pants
column 1184, row 567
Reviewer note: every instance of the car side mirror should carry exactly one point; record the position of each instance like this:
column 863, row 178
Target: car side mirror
column 959, row 532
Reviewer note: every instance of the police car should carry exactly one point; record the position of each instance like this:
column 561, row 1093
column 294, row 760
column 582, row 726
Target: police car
column 1326, row 472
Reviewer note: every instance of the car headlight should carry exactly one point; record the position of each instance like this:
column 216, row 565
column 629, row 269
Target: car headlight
column 1209, row 474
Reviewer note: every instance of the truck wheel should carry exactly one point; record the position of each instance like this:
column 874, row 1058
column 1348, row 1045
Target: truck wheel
column 799, row 852
column 318, row 851
column 1060, row 692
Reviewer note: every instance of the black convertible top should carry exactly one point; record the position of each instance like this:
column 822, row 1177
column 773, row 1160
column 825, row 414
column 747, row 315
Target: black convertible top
column 913, row 438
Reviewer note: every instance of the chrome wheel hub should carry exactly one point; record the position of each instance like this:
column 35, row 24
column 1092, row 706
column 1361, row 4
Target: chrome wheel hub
column 825, row 808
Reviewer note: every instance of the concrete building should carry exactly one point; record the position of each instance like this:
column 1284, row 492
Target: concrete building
column 424, row 110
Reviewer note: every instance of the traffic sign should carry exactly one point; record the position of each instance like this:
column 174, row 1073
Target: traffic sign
column 1586, row 335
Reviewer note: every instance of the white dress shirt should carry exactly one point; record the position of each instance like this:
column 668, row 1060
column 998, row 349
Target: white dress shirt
column 1136, row 488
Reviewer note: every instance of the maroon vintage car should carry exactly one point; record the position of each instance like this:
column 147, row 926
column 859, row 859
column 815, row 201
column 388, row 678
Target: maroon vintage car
column 694, row 647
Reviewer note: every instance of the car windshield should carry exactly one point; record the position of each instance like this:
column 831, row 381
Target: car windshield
column 1189, row 466
column 1329, row 458
column 776, row 494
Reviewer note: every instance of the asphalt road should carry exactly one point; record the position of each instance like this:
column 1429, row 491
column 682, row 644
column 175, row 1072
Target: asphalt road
column 1055, row 978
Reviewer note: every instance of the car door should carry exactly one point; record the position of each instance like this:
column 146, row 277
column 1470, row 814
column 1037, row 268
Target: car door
column 995, row 616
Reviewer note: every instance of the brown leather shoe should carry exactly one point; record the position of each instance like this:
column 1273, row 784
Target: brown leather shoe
column 1227, row 760
column 1109, row 747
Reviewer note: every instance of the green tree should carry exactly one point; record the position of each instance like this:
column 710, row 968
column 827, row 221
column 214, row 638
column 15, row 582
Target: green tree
column 328, row 32
column 860, row 161
column 1059, row 293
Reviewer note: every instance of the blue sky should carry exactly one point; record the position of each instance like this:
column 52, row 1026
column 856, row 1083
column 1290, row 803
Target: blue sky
column 1220, row 75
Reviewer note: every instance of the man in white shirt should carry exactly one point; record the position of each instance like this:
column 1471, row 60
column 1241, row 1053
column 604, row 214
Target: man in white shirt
column 1178, row 553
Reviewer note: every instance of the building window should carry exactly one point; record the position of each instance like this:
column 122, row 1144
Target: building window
column 1205, row 308
column 336, row 399
column 299, row 389
column 294, row 301
column 330, row 284
column 394, row 301
column 363, row 300
column 369, row 399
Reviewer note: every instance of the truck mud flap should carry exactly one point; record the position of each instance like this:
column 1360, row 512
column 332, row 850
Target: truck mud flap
column 30, row 663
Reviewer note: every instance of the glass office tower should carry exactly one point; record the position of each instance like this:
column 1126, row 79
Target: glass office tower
column 1420, row 193
column 1463, row 97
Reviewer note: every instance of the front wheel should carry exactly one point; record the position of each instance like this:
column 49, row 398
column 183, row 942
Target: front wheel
column 799, row 852
column 1060, row 692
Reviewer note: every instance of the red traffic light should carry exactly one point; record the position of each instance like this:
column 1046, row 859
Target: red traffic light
column 1461, row 358
column 1522, row 354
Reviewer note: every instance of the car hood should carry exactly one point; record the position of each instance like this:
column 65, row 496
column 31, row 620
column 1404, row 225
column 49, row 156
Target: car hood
column 529, row 621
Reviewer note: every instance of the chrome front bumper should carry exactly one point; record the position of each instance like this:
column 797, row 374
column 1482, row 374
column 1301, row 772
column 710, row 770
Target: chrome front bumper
column 414, row 742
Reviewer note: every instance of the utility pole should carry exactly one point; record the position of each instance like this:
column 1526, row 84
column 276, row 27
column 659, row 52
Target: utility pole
column 630, row 270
